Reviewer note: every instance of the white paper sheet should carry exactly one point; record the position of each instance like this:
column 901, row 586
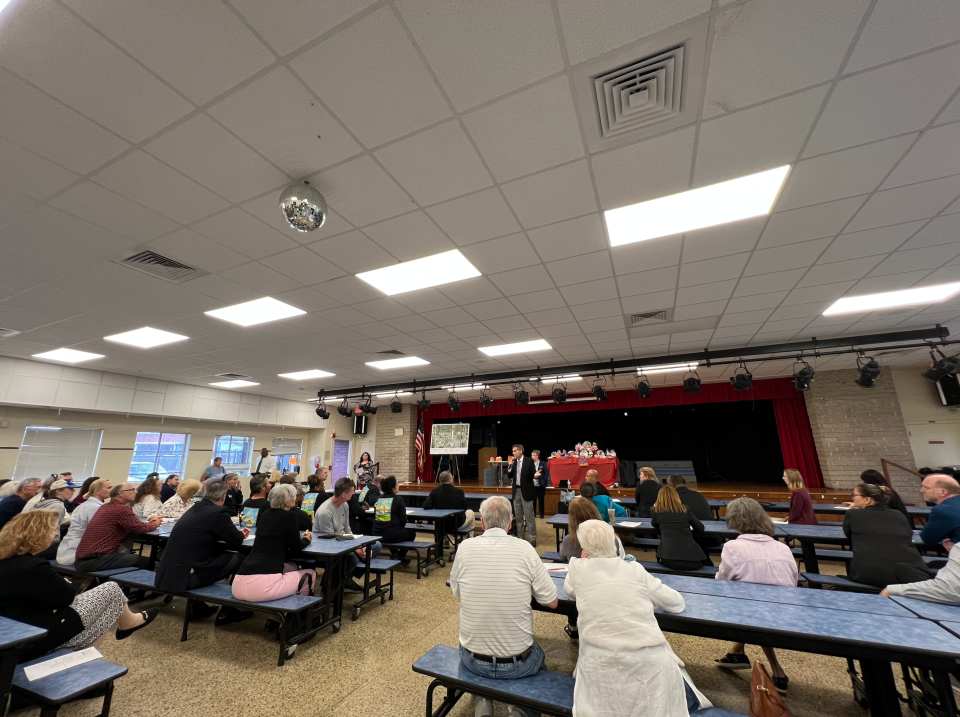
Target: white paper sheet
column 64, row 662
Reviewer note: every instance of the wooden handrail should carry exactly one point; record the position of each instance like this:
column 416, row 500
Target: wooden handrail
column 886, row 472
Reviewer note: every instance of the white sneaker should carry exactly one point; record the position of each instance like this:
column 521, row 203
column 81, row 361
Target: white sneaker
column 484, row 707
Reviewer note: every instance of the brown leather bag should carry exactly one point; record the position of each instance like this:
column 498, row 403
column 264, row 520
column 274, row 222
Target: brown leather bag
column 765, row 701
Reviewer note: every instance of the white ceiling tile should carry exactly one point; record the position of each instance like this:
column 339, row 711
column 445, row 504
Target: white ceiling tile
column 13, row 205
column 410, row 236
column 754, row 303
column 191, row 248
column 870, row 242
column 436, row 164
column 553, row 195
column 951, row 113
column 740, row 331
column 575, row 270
column 479, row 216
column 810, row 294
column 550, row 317
column 523, row 281
column 503, row 253
column 448, row 317
column 723, row 240
column 505, row 324
column 240, row 231
column 200, row 48
column 306, row 299
column 719, row 291
column 798, row 225
column 425, row 300
column 374, row 329
column 529, row 131
column 646, row 170
column 589, row 291
column 279, row 117
column 111, row 211
column 229, row 292
column 345, row 316
column 384, row 309
column 140, row 177
column 538, row 301
column 904, row 204
column 761, row 50
column 646, row 282
column 570, row 238
column 649, row 302
column 642, row 256
column 745, row 318
column 554, row 332
column 788, row 325
column 696, row 311
column 353, row 252
column 288, row 24
column 791, row 256
column 849, row 270
column 471, row 291
column 931, row 257
column 367, row 68
column 470, row 330
column 795, row 311
column 597, row 310
column 766, row 283
column 891, row 282
column 69, row 231
column 847, row 173
column 304, row 266
column 362, row 192
column 256, row 274
column 591, row 31
column 897, row 29
column 756, row 139
column 481, row 51
column 48, row 46
column 31, row 174
column 860, row 109
column 935, row 155
column 43, row 125
column 491, row 309
column 942, row 230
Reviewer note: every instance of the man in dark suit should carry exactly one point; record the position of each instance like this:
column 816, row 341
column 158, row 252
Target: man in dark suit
column 541, row 477
column 196, row 552
column 520, row 472
column 694, row 501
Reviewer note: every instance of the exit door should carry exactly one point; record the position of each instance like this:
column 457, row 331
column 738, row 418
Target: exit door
column 935, row 444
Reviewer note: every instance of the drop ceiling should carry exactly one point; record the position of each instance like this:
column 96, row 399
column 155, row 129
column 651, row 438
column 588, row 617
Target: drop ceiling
column 432, row 125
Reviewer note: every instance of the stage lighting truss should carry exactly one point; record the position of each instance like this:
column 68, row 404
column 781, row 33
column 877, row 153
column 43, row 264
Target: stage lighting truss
column 599, row 389
column 802, row 376
column 424, row 403
column 520, row 396
column 742, row 379
column 560, row 393
column 368, row 407
column 322, row 410
column 344, row 409
column 396, row 405
column 691, row 382
column 943, row 366
column 486, row 400
column 453, row 401
column 643, row 386
column 869, row 370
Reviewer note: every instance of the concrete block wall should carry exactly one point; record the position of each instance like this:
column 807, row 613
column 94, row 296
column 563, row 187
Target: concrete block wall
column 855, row 427
column 396, row 453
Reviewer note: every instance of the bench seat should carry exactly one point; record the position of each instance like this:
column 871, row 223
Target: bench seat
column 837, row 582
column 54, row 690
column 844, row 556
column 139, row 579
column 706, row 571
column 417, row 546
column 641, row 543
column 378, row 567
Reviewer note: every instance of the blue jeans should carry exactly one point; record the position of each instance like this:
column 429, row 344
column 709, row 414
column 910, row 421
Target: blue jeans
column 351, row 561
column 514, row 671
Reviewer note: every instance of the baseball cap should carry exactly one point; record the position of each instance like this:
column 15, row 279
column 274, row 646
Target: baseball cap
column 59, row 484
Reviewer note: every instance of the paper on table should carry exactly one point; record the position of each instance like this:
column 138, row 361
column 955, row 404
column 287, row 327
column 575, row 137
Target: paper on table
column 615, row 500
column 58, row 664
column 629, row 524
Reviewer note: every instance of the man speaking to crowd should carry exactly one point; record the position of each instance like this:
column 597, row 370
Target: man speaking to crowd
column 520, row 472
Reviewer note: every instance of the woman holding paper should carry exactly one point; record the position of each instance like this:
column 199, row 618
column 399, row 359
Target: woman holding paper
column 32, row 593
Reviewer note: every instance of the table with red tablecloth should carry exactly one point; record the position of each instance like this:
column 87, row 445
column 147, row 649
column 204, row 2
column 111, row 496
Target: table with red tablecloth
column 569, row 469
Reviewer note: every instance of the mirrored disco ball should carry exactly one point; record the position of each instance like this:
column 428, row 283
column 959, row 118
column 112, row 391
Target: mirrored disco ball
column 303, row 207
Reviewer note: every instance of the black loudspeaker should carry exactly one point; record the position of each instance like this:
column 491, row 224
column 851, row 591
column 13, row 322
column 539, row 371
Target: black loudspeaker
column 949, row 389
column 360, row 424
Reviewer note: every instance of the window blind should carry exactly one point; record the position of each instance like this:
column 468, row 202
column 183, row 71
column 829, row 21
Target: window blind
column 52, row 449
column 287, row 446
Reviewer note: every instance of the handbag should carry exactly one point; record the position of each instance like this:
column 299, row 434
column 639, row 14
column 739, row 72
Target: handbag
column 765, row 701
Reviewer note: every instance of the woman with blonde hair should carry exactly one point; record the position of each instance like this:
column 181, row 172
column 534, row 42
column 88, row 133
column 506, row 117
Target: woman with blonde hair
column 801, row 506
column 182, row 501
column 678, row 549
column 32, row 593
column 646, row 492
column 148, row 501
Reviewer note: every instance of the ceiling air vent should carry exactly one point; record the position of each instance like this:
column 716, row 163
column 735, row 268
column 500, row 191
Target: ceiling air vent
column 7, row 333
column 150, row 262
column 232, row 375
column 648, row 316
column 391, row 352
column 643, row 89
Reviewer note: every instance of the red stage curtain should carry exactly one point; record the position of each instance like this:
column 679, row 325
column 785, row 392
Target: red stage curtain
column 793, row 425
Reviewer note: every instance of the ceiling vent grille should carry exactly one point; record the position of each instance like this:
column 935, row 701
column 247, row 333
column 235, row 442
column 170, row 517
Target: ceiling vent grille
column 640, row 93
column 232, row 375
column 648, row 316
column 391, row 352
column 150, row 262
column 7, row 333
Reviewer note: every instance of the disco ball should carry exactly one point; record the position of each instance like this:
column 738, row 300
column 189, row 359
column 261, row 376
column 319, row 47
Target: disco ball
column 303, row 207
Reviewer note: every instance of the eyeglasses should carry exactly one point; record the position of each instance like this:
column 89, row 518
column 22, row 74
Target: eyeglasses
column 127, row 490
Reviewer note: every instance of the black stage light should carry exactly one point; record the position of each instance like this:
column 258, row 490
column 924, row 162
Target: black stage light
column 803, row 377
column 742, row 381
column 486, row 400
column 453, row 402
column 520, row 396
column 691, row 384
column 559, row 394
column 424, row 403
column 643, row 388
column 600, row 392
column 323, row 412
column 367, row 407
column 869, row 370
column 943, row 366
column 396, row 405
column 344, row 409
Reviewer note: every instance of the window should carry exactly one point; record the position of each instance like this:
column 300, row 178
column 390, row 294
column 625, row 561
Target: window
column 235, row 451
column 52, row 449
column 156, row 452
column 287, row 452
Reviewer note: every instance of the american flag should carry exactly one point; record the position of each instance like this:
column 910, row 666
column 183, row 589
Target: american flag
column 419, row 446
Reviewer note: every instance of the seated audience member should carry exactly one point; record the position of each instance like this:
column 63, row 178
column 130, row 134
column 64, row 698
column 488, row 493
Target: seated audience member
column 944, row 588
column 182, row 501
column 647, row 678
column 148, row 501
column 679, row 528
column 755, row 557
column 694, row 500
column 55, row 498
column 944, row 521
column 447, row 496
column 213, row 473
column 647, row 490
column 872, row 477
column 311, row 500
column 8, row 488
column 44, row 487
column 370, row 493
column 103, row 543
column 234, row 500
column 390, row 519
column 603, row 502
column 495, row 576
column 801, row 506
column 13, row 505
column 594, row 477
column 79, row 498
column 275, row 477
column 333, row 517
column 97, row 492
column 31, row 592
column 882, row 541
column 304, row 519
column 259, row 490
column 169, row 488
column 196, row 554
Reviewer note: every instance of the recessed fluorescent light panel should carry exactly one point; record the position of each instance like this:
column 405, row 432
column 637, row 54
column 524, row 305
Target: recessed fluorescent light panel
column 234, row 384
column 146, row 338
column 891, row 299
column 399, row 363
column 668, row 367
column 429, row 271
column 256, row 312
column 304, row 375
column 731, row 201
column 523, row 347
column 68, row 356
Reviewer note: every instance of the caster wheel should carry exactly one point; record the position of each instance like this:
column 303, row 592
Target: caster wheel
column 383, row 599
column 442, row 564
column 336, row 626
column 424, row 572
column 356, row 614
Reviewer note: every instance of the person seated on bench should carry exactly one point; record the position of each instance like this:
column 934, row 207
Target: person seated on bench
column 104, row 544
column 603, row 503
column 647, row 490
column 679, row 531
column 182, row 501
column 31, row 592
column 259, row 490
column 755, row 557
column 148, row 501
column 333, row 517
column 370, row 493
column 801, row 506
column 625, row 666
column 196, row 554
column 390, row 519
column 55, row 498
column 944, row 520
column 873, row 477
column 169, row 487
column 304, row 519
column 234, row 500
column 882, row 541
column 495, row 575
column 447, row 496
column 598, row 488
column 80, row 498
column 13, row 505
column 944, row 588
column 269, row 572
column 97, row 492
column 694, row 500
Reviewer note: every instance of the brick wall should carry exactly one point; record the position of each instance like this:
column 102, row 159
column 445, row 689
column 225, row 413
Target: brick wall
column 396, row 453
column 855, row 427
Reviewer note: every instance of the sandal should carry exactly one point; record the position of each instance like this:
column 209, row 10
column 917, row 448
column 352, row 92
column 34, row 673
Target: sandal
column 573, row 635
column 732, row 661
column 148, row 617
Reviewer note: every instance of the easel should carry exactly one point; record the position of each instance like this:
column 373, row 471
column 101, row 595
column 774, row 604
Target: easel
column 455, row 468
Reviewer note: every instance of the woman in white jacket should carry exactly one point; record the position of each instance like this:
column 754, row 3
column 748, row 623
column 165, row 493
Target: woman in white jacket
column 626, row 667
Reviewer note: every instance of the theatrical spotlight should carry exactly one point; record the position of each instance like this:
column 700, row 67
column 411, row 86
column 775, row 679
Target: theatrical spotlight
column 454, row 402
column 520, row 396
column 802, row 377
column 322, row 411
column 741, row 381
column 643, row 387
column 943, row 366
column 486, row 400
column 691, row 384
column 344, row 409
column 396, row 405
column 367, row 407
column 599, row 391
column 424, row 403
column 559, row 394
column 869, row 370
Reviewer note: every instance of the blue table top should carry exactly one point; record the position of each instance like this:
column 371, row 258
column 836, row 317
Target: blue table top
column 69, row 683
column 825, row 533
column 331, row 547
column 930, row 610
column 711, row 527
column 14, row 634
column 432, row 514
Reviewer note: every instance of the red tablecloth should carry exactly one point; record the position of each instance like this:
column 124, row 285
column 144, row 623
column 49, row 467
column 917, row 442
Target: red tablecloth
column 569, row 469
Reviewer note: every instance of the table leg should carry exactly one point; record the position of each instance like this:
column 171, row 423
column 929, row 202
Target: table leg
column 881, row 689
column 556, row 529
column 8, row 665
column 810, row 563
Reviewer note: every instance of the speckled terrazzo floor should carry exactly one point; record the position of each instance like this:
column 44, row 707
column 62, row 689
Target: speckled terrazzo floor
column 365, row 668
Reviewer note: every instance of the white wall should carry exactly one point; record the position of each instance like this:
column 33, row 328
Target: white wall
column 928, row 421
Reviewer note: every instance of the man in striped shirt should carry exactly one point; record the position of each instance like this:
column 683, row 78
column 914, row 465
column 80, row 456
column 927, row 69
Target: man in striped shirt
column 495, row 575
